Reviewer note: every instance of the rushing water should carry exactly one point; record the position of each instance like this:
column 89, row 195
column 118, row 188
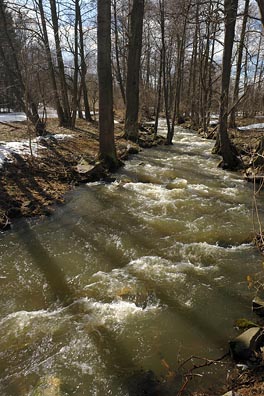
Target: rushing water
column 150, row 267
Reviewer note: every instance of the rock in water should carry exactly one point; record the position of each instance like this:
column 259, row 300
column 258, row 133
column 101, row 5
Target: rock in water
column 258, row 306
column 247, row 344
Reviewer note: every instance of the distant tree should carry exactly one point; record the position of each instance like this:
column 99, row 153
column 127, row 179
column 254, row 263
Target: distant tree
column 107, row 150
column 133, row 69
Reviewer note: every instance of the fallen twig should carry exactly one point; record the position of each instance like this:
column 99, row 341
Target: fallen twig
column 10, row 125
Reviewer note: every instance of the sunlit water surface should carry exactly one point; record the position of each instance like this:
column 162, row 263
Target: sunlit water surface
column 150, row 267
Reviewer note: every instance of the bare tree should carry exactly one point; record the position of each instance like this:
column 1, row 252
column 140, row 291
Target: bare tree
column 232, row 119
column 84, row 89
column 12, row 67
column 133, row 70
column 61, row 68
column 230, row 159
column 107, row 150
column 45, row 37
column 119, row 76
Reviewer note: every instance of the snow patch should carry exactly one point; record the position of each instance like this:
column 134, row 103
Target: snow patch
column 9, row 149
column 61, row 136
column 251, row 126
column 23, row 148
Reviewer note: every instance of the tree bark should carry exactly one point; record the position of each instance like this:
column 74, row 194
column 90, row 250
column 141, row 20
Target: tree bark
column 63, row 84
column 13, row 70
column 193, row 77
column 133, row 69
column 76, row 66
column 118, row 67
column 230, row 160
column 159, row 92
column 55, row 93
column 87, row 112
column 164, row 71
column 107, row 150
column 232, row 119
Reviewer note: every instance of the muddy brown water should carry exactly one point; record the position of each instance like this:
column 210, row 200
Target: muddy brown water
column 150, row 267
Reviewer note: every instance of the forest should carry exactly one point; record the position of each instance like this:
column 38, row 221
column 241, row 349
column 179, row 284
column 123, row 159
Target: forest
column 131, row 211
column 185, row 59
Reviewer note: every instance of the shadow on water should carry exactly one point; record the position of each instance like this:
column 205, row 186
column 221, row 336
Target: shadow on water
column 191, row 317
column 137, row 382
column 132, row 379
column 46, row 264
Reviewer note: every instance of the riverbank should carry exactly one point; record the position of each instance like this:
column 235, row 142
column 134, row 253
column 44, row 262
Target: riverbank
column 248, row 138
column 36, row 173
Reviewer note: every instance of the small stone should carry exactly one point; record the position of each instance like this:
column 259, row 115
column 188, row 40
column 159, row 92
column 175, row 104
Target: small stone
column 84, row 167
column 132, row 149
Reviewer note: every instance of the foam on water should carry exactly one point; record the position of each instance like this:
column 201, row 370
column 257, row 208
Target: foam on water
column 143, row 259
column 159, row 269
column 201, row 189
column 117, row 312
column 23, row 318
column 156, row 193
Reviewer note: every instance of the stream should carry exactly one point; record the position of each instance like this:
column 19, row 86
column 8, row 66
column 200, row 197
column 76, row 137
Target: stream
column 127, row 275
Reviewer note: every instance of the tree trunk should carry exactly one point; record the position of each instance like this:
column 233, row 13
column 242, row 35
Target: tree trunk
column 232, row 119
column 193, row 78
column 76, row 66
column 107, row 150
column 230, row 160
column 87, row 112
column 12, row 67
column 164, row 71
column 55, row 93
column 159, row 96
column 118, row 68
column 133, row 69
column 63, row 84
